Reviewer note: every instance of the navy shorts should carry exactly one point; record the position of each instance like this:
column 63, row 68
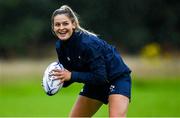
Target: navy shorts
column 121, row 85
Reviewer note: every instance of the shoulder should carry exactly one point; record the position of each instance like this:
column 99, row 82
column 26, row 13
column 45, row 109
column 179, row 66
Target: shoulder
column 89, row 38
column 91, row 46
column 90, row 41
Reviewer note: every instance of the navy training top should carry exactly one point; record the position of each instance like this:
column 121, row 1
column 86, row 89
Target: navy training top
column 90, row 59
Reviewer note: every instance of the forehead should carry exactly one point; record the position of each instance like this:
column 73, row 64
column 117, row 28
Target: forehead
column 61, row 18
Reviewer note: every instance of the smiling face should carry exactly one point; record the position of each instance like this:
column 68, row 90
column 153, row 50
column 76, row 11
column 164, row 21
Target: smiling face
column 63, row 27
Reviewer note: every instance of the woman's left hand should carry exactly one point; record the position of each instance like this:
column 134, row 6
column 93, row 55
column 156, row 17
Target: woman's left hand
column 63, row 75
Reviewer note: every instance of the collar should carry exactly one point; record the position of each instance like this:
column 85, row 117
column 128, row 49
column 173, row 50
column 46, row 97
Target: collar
column 72, row 40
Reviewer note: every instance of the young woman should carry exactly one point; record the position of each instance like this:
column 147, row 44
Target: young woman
column 88, row 59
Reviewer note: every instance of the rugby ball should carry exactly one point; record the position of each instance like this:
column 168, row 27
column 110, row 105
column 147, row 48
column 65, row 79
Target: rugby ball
column 50, row 84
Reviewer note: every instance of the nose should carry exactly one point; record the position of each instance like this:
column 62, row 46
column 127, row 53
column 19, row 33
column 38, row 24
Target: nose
column 61, row 27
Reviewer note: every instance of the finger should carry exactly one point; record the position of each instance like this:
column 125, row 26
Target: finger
column 66, row 70
column 59, row 77
column 62, row 81
column 56, row 74
column 56, row 70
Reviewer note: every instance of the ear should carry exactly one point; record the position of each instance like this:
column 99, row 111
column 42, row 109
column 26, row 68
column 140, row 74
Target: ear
column 74, row 25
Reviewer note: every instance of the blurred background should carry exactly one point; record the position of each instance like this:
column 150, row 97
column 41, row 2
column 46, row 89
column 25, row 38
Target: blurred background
column 146, row 33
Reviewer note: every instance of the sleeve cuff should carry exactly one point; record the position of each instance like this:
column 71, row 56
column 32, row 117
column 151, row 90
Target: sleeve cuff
column 74, row 76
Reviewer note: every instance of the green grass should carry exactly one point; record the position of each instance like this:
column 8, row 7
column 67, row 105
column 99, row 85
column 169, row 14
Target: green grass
column 25, row 97
column 157, row 97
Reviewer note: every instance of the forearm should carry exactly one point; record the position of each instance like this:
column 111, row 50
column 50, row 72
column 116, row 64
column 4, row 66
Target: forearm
column 88, row 77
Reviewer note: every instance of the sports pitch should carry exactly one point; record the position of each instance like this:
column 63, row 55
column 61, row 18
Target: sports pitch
column 21, row 94
column 26, row 98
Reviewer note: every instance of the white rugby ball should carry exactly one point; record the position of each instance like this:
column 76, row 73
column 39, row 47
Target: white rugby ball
column 50, row 84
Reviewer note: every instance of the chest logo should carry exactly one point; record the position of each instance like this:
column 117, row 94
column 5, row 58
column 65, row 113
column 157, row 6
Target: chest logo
column 79, row 57
column 68, row 59
column 112, row 87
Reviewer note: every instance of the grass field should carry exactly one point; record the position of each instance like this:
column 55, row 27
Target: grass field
column 21, row 95
column 27, row 98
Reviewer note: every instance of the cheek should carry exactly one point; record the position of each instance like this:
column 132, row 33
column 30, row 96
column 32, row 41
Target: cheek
column 54, row 29
column 71, row 32
column 52, row 26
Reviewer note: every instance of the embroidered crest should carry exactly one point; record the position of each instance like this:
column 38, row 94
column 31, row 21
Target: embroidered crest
column 112, row 88
column 68, row 59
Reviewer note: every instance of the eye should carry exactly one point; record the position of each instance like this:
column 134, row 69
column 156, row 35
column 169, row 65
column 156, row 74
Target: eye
column 65, row 23
column 57, row 24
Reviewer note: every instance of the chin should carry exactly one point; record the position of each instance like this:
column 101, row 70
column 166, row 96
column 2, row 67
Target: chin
column 63, row 38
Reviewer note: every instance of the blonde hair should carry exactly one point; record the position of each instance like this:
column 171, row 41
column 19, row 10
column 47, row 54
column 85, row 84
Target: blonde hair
column 66, row 10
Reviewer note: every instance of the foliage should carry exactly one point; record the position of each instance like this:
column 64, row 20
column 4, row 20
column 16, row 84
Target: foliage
column 25, row 24
column 151, row 50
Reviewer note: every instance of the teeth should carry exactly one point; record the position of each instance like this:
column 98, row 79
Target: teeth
column 62, row 32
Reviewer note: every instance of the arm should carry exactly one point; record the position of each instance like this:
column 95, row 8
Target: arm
column 97, row 75
column 95, row 60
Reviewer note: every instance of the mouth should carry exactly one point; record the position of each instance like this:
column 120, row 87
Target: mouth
column 62, row 34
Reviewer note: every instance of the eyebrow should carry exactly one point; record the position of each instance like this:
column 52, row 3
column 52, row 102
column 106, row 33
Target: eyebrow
column 62, row 21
